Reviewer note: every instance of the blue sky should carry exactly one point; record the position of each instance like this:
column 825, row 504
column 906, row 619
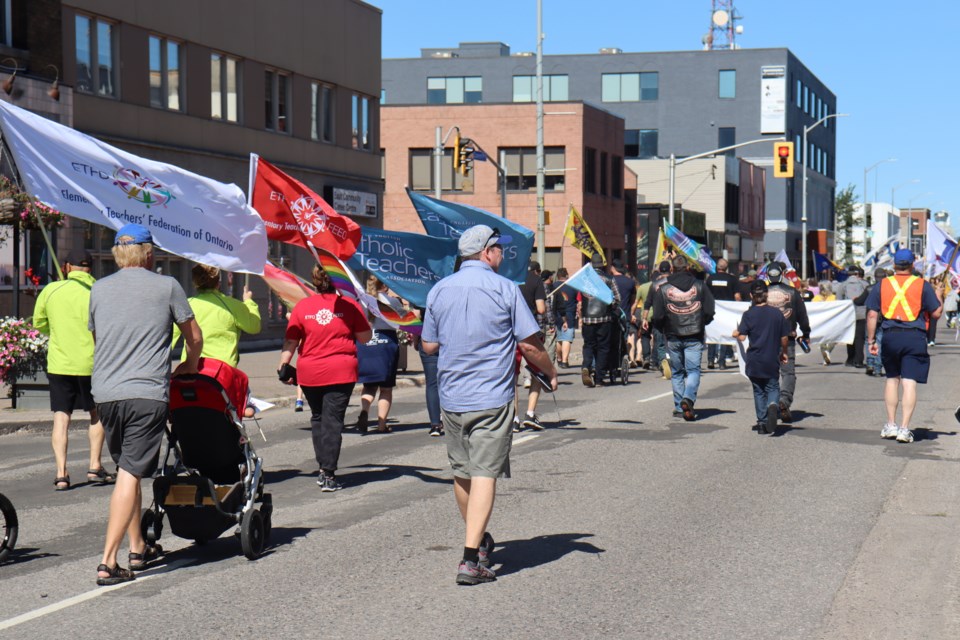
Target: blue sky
column 892, row 65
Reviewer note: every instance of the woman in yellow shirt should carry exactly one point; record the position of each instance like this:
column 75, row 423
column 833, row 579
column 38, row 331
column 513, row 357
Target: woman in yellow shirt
column 826, row 294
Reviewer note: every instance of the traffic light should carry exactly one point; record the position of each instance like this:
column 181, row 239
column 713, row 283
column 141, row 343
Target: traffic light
column 466, row 160
column 456, row 152
column 783, row 159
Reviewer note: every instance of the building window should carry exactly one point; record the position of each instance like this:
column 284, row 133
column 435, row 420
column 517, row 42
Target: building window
column 360, row 106
column 727, row 136
column 630, row 87
column 521, row 168
column 555, row 88
column 276, row 101
column 589, row 170
column 96, row 68
column 616, row 177
column 604, row 173
column 728, row 84
column 422, row 174
column 460, row 90
column 165, row 74
column 640, row 143
column 321, row 112
column 224, row 88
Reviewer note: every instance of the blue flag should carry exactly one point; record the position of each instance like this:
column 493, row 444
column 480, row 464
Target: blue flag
column 823, row 264
column 408, row 263
column 589, row 283
column 445, row 219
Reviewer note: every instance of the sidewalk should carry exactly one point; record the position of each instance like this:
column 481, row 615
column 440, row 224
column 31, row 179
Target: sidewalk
column 260, row 366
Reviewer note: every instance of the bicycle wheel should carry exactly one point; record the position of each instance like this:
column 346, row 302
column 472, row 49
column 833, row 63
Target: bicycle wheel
column 10, row 526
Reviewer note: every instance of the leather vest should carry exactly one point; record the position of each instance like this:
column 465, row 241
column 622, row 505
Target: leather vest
column 780, row 296
column 684, row 310
column 596, row 308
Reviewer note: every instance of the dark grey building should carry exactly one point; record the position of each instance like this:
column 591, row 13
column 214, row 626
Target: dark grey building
column 682, row 102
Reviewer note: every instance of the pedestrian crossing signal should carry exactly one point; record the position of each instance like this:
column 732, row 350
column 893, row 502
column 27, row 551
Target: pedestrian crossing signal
column 783, row 160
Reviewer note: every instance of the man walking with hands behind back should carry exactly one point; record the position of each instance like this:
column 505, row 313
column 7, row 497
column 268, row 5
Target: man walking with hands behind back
column 132, row 313
column 905, row 304
column 476, row 319
column 62, row 312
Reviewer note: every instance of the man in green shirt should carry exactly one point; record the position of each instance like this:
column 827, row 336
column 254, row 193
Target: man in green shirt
column 61, row 312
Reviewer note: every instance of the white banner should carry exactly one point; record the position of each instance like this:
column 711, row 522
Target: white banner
column 829, row 321
column 189, row 215
column 773, row 99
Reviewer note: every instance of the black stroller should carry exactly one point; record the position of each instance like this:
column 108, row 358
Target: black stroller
column 216, row 479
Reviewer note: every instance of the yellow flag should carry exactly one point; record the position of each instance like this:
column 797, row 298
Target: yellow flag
column 661, row 253
column 580, row 235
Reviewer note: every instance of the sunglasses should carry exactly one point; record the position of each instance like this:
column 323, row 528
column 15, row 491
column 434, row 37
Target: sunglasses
column 496, row 234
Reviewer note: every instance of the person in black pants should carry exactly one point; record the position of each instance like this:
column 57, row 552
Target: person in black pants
column 855, row 289
column 723, row 286
column 597, row 320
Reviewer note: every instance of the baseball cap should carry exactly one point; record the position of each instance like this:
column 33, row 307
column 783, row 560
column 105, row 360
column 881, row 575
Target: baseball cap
column 617, row 264
column 596, row 261
column 480, row 237
column 664, row 267
column 139, row 233
column 758, row 286
column 752, row 272
column 79, row 258
column 774, row 272
column 904, row 256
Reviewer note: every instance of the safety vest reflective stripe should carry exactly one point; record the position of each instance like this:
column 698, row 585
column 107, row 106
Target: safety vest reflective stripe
column 901, row 307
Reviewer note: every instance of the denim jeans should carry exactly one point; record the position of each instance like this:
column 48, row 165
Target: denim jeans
column 726, row 351
column 431, row 388
column 766, row 391
column 685, row 355
column 659, row 347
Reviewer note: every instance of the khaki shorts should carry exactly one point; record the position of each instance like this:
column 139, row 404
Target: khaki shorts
column 478, row 442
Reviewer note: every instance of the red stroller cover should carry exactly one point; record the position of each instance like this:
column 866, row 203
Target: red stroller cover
column 233, row 381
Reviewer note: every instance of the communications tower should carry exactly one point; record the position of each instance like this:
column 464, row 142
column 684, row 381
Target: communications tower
column 723, row 26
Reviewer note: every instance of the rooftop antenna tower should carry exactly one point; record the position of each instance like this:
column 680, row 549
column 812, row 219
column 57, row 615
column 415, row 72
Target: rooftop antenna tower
column 723, row 26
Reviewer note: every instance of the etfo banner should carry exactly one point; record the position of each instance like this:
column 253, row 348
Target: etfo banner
column 189, row 215
column 408, row 263
column 445, row 219
column 829, row 321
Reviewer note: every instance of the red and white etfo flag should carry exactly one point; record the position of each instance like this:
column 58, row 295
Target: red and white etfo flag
column 294, row 214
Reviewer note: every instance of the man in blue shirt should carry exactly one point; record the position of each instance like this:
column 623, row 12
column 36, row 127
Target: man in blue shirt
column 907, row 305
column 477, row 320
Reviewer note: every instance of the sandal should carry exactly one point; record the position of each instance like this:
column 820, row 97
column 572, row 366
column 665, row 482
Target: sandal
column 363, row 420
column 139, row 561
column 383, row 427
column 101, row 476
column 62, row 480
column 116, row 575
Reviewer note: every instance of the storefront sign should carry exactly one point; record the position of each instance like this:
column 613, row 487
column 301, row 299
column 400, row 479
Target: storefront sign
column 360, row 204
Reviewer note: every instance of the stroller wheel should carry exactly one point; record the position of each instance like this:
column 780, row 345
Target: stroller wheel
column 151, row 526
column 251, row 534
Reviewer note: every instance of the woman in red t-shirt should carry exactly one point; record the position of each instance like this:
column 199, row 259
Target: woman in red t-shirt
column 324, row 330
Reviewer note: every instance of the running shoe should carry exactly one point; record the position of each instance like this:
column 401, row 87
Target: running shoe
column 526, row 383
column 486, row 548
column 298, row 406
column 474, row 573
column 436, row 431
column 890, row 431
column 533, row 422
column 328, row 483
column 904, row 435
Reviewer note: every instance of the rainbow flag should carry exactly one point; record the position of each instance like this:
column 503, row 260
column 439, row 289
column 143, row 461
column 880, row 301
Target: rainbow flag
column 288, row 287
column 408, row 320
column 693, row 251
column 341, row 276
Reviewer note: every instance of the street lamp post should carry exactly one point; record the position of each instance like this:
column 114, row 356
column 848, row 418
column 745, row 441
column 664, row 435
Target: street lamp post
column 893, row 207
column 803, row 205
column 868, row 213
column 674, row 162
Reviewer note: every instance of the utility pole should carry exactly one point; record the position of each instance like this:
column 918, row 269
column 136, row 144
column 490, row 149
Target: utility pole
column 541, row 251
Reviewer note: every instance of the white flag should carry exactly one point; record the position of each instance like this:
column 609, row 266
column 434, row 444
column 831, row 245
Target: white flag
column 189, row 215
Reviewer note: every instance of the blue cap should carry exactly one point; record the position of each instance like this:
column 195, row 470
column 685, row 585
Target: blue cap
column 904, row 256
column 139, row 234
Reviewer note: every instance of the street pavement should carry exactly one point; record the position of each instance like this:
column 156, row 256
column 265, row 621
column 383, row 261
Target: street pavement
column 619, row 522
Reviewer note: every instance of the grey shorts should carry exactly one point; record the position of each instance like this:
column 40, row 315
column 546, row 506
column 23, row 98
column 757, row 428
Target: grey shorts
column 134, row 431
column 478, row 442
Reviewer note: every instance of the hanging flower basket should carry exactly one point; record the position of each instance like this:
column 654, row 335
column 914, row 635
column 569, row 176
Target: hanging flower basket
column 16, row 205
column 23, row 350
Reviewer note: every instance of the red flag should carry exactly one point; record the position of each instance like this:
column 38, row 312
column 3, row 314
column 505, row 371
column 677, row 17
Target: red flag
column 294, row 214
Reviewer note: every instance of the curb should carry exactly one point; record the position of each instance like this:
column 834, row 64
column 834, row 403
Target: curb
column 45, row 425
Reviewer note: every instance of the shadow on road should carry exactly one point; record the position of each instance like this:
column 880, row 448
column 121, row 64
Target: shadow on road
column 516, row 555
column 20, row 555
column 783, row 429
column 801, row 415
column 384, row 472
column 703, row 414
column 276, row 476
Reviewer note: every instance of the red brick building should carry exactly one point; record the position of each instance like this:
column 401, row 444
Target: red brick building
column 583, row 167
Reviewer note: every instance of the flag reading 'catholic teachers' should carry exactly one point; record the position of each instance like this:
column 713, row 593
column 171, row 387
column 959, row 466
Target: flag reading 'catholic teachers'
column 296, row 215
column 187, row 214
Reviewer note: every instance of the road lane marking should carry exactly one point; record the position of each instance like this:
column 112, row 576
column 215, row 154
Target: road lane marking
column 89, row 595
column 662, row 395
column 526, row 438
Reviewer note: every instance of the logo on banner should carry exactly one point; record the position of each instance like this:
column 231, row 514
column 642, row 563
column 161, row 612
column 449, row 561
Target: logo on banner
column 312, row 219
column 141, row 188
